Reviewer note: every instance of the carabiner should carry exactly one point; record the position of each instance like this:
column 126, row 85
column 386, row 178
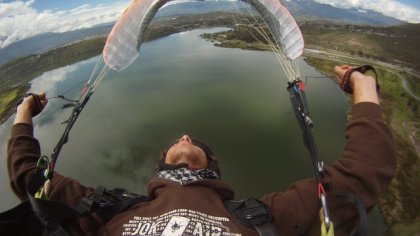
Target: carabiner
column 325, row 212
column 44, row 163
column 323, row 197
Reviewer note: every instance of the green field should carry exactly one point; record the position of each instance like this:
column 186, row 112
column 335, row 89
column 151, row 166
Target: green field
column 397, row 45
column 6, row 99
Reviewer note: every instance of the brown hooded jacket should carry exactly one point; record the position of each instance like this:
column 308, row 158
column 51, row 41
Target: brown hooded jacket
column 365, row 169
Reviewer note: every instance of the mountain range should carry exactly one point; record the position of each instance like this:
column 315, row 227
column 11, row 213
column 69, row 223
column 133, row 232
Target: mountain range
column 301, row 9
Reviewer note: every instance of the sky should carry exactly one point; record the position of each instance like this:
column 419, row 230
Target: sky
column 26, row 18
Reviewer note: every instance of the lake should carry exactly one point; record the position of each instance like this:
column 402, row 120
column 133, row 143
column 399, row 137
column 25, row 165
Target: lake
column 234, row 100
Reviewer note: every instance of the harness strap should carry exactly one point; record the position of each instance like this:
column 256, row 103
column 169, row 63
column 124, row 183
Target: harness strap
column 297, row 96
column 55, row 216
column 254, row 214
column 112, row 202
column 52, row 214
column 11, row 221
column 362, row 228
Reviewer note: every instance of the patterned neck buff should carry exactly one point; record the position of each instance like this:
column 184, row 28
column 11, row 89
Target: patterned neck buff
column 185, row 176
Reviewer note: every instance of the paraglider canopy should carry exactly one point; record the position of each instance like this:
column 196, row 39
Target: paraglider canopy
column 124, row 41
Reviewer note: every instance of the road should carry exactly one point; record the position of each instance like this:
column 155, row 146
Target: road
column 323, row 54
column 407, row 88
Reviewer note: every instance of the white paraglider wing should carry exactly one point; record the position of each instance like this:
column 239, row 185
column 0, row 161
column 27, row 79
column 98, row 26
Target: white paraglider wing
column 282, row 25
column 286, row 33
column 124, row 41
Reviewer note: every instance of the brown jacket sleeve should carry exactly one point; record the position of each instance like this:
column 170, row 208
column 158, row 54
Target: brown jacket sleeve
column 365, row 169
column 23, row 153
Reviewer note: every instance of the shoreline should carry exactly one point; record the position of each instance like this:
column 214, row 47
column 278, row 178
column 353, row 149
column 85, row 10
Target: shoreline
column 10, row 107
column 398, row 206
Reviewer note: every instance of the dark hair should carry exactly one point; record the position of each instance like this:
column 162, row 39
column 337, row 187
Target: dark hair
column 212, row 162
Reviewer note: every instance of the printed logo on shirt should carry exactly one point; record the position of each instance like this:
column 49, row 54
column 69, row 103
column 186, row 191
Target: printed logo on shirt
column 177, row 223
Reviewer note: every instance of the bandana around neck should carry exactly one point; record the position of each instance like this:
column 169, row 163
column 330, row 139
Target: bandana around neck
column 185, row 176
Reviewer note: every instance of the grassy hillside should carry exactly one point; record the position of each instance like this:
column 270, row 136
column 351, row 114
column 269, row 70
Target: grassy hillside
column 397, row 45
column 29, row 67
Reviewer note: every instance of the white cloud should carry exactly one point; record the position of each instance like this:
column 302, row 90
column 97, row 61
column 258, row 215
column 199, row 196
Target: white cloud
column 48, row 81
column 20, row 20
column 390, row 8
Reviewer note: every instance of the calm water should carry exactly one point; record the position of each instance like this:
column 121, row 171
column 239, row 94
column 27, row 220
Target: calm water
column 233, row 99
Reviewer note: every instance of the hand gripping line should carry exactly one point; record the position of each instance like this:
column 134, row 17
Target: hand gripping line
column 345, row 84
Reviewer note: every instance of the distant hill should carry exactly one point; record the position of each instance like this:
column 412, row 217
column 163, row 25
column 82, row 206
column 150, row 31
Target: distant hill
column 47, row 41
column 202, row 7
column 311, row 10
column 303, row 10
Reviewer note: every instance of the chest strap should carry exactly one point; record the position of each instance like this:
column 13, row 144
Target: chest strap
column 254, row 214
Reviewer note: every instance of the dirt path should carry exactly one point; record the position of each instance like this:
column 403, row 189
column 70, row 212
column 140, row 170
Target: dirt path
column 412, row 132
